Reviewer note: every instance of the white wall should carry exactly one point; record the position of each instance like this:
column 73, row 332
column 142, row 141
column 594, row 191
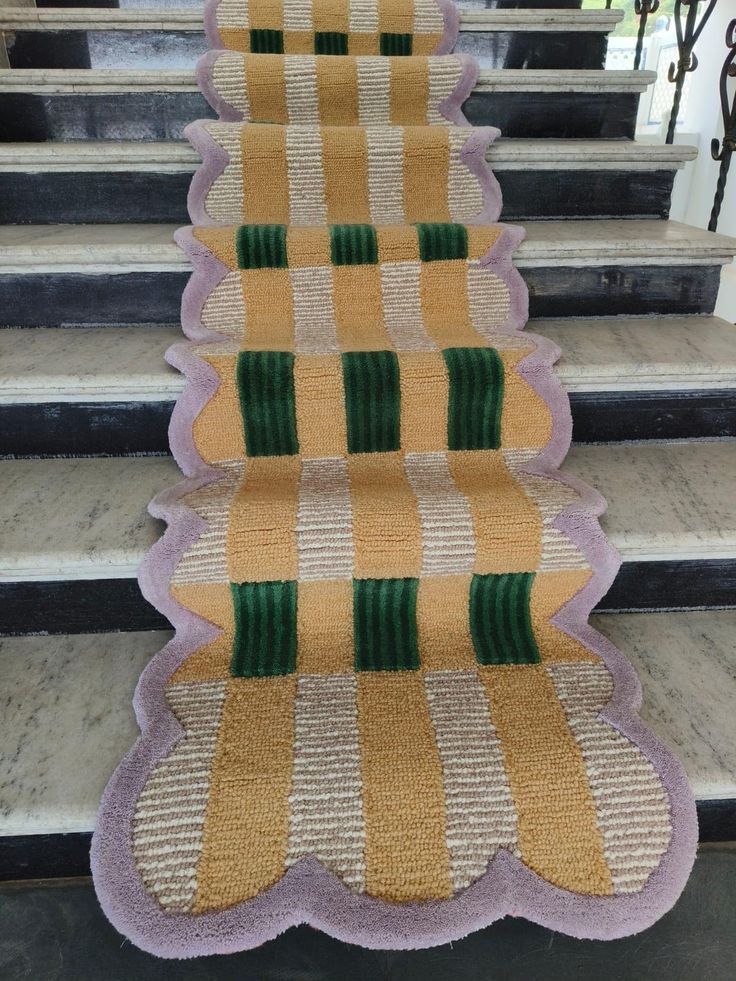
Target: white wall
column 695, row 186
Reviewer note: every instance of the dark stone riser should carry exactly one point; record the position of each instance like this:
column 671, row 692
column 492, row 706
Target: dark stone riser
column 72, row 299
column 112, row 605
column 134, row 428
column 155, row 116
column 86, row 197
column 179, row 49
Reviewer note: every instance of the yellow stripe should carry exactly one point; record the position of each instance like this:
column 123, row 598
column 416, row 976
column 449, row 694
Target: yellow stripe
column 345, row 169
column 426, row 173
column 409, row 91
column 269, row 310
column 247, row 822
column 559, row 836
column 395, row 17
column 424, row 401
column 386, row 528
column 266, row 14
column 507, row 523
column 337, row 89
column 444, row 292
column 358, row 305
column 325, row 627
column 550, row 592
column 320, row 405
column 406, row 855
column 266, row 86
column 443, row 625
column 213, row 602
column 218, row 429
column 526, row 419
column 261, row 539
column 265, row 175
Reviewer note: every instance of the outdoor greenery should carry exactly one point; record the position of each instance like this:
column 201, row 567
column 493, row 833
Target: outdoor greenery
column 629, row 26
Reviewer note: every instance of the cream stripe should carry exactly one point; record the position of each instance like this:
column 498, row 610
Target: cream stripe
column 630, row 800
column 428, row 17
column 300, row 75
column 326, row 808
column 314, row 314
column 480, row 812
column 448, row 539
column 364, row 16
column 198, row 708
column 402, row 306
column 233, row 14
column 228, row 77
column 297, row 15
column 488, row 299
column 205, row 560
column 306, row 176
column 464, row 195
column 224, row 200
column 325, row 522
column 386, row 174
column 374, row 90
column 224, row 310
column 444, row 74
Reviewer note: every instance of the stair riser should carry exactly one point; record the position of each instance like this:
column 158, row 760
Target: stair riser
column 109, row 605
column 146, row 116
column 57, row 299
column 86, row 197
column 181, row 49
column 66, row 856
column 132, row 428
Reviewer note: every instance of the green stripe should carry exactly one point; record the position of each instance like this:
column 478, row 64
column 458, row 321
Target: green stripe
column 442, row 241
column 476, row 381
column 372, row 401
column 265, row 629
column 500, row 619
column 261, row 247
column 330, row 43
column 395, row 44
column 353, row 245
column 385, row 624
column 265, row 381
column 264, row 41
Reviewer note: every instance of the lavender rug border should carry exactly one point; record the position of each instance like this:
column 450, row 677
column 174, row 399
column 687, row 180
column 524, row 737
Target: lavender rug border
column 308, row 893
column 215, row 159
column 450, row 16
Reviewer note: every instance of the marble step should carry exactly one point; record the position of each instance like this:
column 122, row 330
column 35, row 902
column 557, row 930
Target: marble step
column 134, row 273
column 71, row 182
column 147, row 38
column 39, row 104
column 74, row 532
column 108, row 391
column 68, row 719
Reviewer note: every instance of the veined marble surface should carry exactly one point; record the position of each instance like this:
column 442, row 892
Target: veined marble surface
column 86, row 518
column 68, row 720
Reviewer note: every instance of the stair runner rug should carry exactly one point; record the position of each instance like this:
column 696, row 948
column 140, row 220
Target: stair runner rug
column 383, row 712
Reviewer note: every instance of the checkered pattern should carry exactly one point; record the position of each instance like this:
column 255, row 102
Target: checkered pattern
column 331, row 27
column 388, row 690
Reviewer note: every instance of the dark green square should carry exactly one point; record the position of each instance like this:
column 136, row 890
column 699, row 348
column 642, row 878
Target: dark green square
column 500, row 619
column 265, row 629
column 442, row 240
column 353, row 245
column 330, row 43
column 265, row 381
column 476, row 376
column 372, row 401
column 395, row 44
column 264, row 41
column 261, row 247
column 385, row 624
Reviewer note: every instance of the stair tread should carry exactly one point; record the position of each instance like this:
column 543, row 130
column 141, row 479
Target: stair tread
column 58, row 752
column 144, row 246
column 46, row 81
column 96, row 155
column 667, row 502
column 190, row 19
column 118, row 364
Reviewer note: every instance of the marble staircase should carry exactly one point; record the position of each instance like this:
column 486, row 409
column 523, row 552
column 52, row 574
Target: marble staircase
column 93, row 179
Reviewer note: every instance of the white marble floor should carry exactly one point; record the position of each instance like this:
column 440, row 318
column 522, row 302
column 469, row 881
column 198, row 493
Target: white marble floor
column 67, row 718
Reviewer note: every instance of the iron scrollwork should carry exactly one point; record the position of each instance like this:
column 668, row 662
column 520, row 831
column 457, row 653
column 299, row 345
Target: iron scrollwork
column 687, row 36
column 642, row 8
column 723, row 149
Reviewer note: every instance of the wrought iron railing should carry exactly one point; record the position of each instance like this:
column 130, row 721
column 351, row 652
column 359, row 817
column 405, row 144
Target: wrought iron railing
column 723, row 149
column 687, row 32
